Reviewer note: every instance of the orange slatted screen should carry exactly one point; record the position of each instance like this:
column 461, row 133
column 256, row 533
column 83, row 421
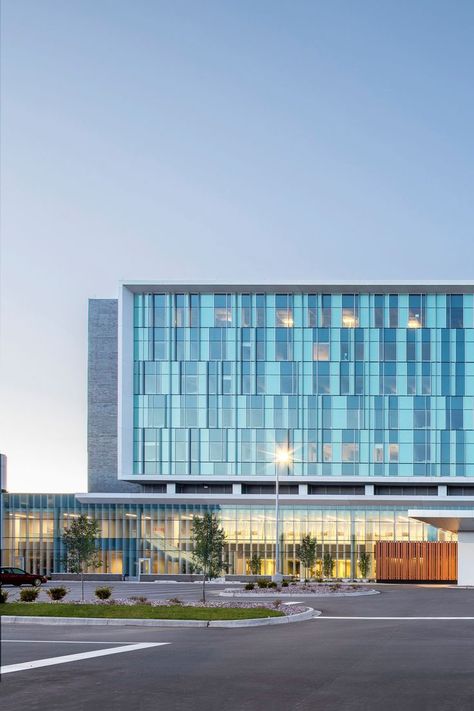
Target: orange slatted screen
column 420, row 561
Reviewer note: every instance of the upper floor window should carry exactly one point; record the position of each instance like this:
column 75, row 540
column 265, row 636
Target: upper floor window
column 189, row 378
column 227, row 377
column 379, row 311
column 312, row 318
column 359, row 344
column 411, row 346
column 246, row 343
column 180, row 310
column 388, row 378
column 288, row 378
column 388, row 344
column 284, row 311
column 194, row 311
column 350, row 310
column 454, row 311
column 393, row 310
column 283, row 344
column 260, row 310
column 345, row 353
column 217, row 344
column 416, row 309
column 321, row 381
column 454, row 413
column 222, row 310
column 378, row 453
column 326, row 311
column 350, row 452
column 159, row 310
column 321, row 344
column 246, row 310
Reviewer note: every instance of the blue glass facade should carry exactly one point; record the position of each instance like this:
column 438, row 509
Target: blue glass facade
column 354, row 384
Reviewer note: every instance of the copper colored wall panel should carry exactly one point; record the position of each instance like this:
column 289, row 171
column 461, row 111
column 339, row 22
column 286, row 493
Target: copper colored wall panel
column 416, row 561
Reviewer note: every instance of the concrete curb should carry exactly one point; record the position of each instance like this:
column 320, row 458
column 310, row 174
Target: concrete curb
column 308, row 614
column 127, row 622
column 262, row 596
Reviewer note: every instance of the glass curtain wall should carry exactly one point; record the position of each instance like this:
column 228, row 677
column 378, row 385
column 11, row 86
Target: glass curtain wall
column 33, row 526
column 355, row 384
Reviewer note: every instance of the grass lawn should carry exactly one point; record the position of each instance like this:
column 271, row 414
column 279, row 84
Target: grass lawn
column 175, row 612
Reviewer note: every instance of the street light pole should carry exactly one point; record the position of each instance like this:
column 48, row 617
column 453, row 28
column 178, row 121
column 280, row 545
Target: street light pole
column 282, row 456
column 277, row 577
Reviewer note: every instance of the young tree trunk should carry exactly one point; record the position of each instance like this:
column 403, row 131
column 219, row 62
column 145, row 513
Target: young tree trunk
column 204, row 587
column 82, row 586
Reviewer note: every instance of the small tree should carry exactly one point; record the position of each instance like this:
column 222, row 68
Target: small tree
column 365, row 564
column 208, row 543
column 306, row 551
column 255, row 564
column 328, row 565
column 80, row 540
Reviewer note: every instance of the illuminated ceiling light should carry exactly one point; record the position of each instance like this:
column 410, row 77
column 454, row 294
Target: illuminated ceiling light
column 349, row 321
column 414, row 321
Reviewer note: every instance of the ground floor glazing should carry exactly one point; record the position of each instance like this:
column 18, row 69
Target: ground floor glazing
column 33, row 525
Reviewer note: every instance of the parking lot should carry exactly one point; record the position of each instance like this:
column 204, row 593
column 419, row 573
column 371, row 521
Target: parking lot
column 411, row 647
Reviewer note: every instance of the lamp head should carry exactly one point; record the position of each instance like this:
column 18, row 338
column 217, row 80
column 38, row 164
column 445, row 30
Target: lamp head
column 283, row 455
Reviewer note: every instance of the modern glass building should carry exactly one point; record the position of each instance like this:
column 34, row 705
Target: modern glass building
column 194, row 389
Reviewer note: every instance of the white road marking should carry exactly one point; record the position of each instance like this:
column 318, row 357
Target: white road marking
column 335, row 617
column 59, row 641
column 51, row 661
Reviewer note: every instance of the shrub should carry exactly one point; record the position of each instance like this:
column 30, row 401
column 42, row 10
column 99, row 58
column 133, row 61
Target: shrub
column 103, row 593
column 175, row 601
column 29, row 594
column 57, row 593
column 271, row 584
column 284, row 584
column 140, row 599
column 276, row 603
column 249, row 586
column 3, row 596
column 262, row 583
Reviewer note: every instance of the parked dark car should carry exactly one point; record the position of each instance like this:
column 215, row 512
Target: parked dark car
column 17, row 576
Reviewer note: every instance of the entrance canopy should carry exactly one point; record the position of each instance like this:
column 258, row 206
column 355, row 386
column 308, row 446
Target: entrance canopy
column 455, row 520
column 460, row 521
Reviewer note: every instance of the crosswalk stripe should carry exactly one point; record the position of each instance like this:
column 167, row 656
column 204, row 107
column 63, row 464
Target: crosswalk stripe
column 52, row 661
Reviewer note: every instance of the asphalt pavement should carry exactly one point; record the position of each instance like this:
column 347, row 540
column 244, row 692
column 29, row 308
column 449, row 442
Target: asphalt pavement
column 361, row 654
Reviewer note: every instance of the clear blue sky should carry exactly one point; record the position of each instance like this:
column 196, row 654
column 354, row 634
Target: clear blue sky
column 214, row 140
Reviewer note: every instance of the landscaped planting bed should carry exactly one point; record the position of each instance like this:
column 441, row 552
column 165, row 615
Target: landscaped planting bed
column 297, row 588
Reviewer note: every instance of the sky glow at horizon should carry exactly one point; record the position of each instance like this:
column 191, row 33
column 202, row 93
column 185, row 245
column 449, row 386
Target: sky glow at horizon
column 214, row 141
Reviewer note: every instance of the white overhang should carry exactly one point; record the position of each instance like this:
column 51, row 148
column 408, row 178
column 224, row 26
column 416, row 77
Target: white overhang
column 320, row 500
column 455, row 520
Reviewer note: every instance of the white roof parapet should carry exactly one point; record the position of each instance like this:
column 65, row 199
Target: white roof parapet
column 349, row 287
